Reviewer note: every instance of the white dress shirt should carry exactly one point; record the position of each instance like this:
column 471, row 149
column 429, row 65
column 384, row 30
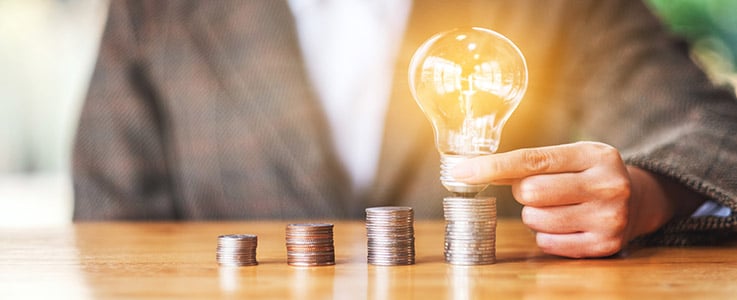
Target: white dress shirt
column 350, row 49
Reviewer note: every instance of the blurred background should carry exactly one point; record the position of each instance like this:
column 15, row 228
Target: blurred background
column 47, row 52
column 48, row 49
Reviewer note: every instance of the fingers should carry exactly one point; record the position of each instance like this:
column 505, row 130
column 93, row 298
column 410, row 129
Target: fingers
column 557, row 220
column 582, row 215
column 522, row 163
column 578, row 245
column 552, row 190
column 592, row 228
column 572, row 188
column 604, row 217
column 568, row 232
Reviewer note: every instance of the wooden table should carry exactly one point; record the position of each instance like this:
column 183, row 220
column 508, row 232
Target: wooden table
column 177, row 260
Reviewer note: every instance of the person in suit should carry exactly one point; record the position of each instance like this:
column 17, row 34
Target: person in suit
column 217, row 110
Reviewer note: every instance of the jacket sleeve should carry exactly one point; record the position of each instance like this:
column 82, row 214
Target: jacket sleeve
column 641, row 92
column 119, row 158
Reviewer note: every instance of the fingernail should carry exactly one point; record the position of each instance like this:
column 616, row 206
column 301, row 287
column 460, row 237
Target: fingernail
column 462, row 171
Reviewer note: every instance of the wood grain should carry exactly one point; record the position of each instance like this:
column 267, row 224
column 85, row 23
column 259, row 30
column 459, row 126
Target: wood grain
column 177, row 260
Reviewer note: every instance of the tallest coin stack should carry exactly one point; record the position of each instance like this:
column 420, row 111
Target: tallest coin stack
column 470, row 230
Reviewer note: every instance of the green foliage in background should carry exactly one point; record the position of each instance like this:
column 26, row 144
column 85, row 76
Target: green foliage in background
column 711, row 27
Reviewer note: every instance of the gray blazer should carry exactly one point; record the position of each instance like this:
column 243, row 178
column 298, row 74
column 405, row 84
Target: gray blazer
column 202, row 110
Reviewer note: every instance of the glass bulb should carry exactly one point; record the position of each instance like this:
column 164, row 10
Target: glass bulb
column 467, row 81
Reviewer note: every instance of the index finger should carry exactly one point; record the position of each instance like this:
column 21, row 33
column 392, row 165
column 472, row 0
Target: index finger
column 522, row 163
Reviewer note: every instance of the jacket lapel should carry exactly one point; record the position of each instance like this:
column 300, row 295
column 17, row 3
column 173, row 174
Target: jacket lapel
column 269, row 84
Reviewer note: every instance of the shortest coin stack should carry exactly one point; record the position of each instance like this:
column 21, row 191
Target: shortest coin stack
column 237, row 250
column 470, row 230
column 310, row 245
column 391, row 236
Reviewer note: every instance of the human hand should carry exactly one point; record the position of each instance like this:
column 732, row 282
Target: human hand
column 579, row 198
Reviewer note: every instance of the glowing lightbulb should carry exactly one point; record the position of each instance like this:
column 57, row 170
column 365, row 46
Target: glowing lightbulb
column 467, row 81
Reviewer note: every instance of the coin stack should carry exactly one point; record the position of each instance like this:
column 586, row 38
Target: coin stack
column 310, row 245
column 237, row 250
column 470, row 230
column 391, row 235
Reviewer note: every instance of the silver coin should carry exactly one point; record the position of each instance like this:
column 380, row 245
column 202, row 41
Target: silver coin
column 470, row 230
column 237, row 250
column 390, row 235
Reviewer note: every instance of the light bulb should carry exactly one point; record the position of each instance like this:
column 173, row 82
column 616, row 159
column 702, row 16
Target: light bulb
column 467, row 81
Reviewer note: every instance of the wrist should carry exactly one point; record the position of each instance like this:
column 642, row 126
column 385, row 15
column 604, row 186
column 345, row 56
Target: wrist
column 649, row 206
column 656, row 200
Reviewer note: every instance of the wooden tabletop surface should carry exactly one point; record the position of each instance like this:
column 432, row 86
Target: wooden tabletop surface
column 177, row 260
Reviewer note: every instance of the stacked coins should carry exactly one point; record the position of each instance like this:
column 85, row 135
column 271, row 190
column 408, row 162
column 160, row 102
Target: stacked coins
column 237, row 250
column 470, row 230
column 310, row 245
column 391, row 235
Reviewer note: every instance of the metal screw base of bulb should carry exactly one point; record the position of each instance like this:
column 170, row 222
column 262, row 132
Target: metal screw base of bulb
column 461, row 189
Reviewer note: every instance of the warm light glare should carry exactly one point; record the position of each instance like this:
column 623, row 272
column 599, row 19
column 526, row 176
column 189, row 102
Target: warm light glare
column 467, row 82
